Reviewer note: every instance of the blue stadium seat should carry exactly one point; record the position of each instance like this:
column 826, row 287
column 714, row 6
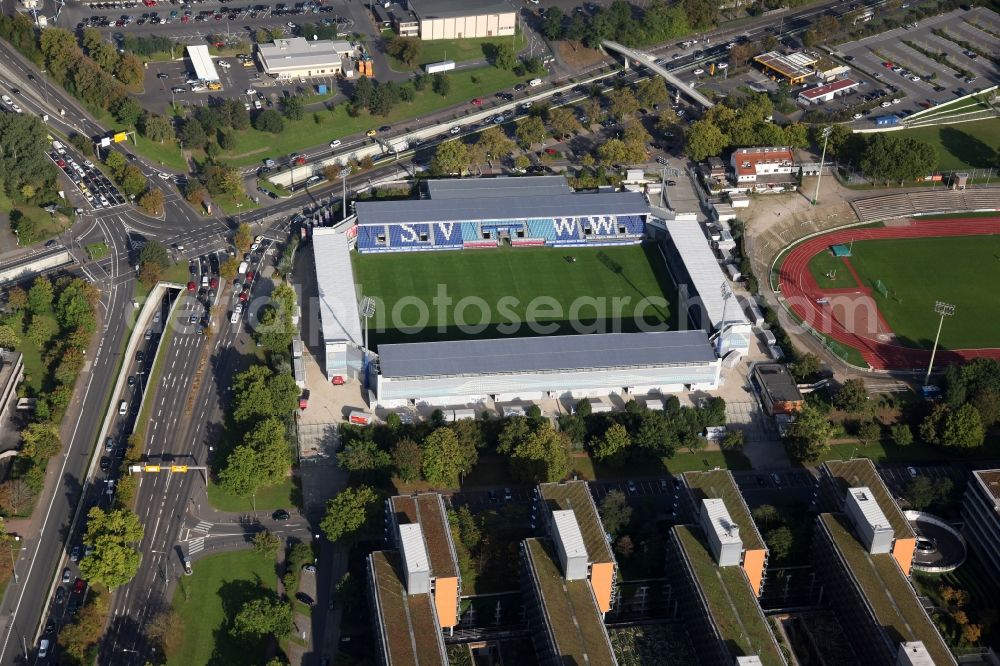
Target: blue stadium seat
column 566, row 228
column 541, row 229
column 634, row 224
column 447, row 234
column 368, row 237
column 409, row 235
column 470, row 231
column 600, row 226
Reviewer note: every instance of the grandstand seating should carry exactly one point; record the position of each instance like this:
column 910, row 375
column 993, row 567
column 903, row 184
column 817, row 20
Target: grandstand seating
column 368, row 237
column 566, row 228
column 634, row 224
column 409, row 235
column 599, row 226
column 447, row 234
column 470, row 231
column 542, row 229
column 925, row 202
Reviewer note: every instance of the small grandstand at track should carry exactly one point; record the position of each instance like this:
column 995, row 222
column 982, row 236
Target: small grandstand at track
column 926, row 202
column 504, row 221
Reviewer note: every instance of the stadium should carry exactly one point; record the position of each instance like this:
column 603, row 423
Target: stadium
column 520, row 289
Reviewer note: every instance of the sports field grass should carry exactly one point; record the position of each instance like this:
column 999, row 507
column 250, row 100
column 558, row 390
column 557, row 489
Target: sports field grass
column 603, row 289
column 918, row 272
column 964, row 145
column 825, row 264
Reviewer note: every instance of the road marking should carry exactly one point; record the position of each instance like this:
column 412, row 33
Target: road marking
column 203, row 526
column 196, row 545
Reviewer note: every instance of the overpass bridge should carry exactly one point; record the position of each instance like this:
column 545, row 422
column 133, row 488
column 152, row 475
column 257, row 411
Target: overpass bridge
column 650, row 62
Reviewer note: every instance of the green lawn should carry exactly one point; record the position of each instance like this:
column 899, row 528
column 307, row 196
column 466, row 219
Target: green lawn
column 251, row 146
column 167, row 154
column 208, row 600
column 35, row 371
column 962, row 146
column 46, row 225
column 919, row 271
column 458, row 50
column 516, row 285
column 886, row 452
column 682, row 461
column 825, row 263
column 268, row 498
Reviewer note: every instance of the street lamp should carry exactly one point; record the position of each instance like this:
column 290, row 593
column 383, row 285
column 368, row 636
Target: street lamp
column 944, row 310
column 819, row 177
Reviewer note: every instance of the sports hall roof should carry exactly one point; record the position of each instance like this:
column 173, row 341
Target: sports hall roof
column 494, row 205
column 704, row 271
column 544, row 354
column 338, row 303
column 204, row 68
column 474, row 188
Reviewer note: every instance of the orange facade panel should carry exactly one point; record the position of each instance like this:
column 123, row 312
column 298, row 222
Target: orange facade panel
column 602, row 576
column 902, row 551
column 753, row 566
column 446, row 601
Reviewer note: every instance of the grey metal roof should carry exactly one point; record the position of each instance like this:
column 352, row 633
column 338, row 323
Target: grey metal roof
column 338, row 303
column 494, row 207
column 476, row 188
column 426, row 9
column 298, row 53
column 201, row 61
column 544, row 354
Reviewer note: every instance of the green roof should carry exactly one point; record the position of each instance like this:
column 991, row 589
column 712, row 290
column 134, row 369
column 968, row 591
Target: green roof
column 861, row 472
column 719, row 484
column 407, row 621
column 575, row 495
column 889, row 593
column 569, row 606
column 731, row 603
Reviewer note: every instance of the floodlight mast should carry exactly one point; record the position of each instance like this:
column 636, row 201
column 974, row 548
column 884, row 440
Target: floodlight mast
column 944, row 310
column 819, row 176
column 367, row 309
column 726, row 293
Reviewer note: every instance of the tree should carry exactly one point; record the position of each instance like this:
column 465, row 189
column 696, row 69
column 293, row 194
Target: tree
column 404, row 49
column 808, row 435
column 8, row 337
column 615, row 442
column 114, row 536
column 766, row 515
column 75, row 305
column 41, row 330
column 157, row 128
column 407, row 459
column 229, row 268
column 667, row 119
column 41, row 440
column 563, row 122
column 363, row 456
column 733, row 441
column 128, row 111
column 920, row 493
column 262, row 617
column 443, row 458
column 852, row 396
column 552, row 28
column 275, row 330
column 266, row 543
column 615, row 513
column 493, row 144
column 17, row 299
column 805, row 368
column 888, row 157
column 869, row 431
column 259, row 393
column 653, row 91
column 40, row 295
column 779, row 542
column 152, row 201
column 155, row 252
column 192, row 134
column 501, row 56
column 703, row 140
column 623, row 103
column 624, row 546
column 530, row 131
column 293, row 107
column 271, row 121
column 901, row 434
column 348, row 512
column 15, row 496
column 441, row 84
column 332, row 172
column 963, row 428
column 515, row 431
column 542, row 456
column 243, row 238
column 451, row 159
column 150, row 273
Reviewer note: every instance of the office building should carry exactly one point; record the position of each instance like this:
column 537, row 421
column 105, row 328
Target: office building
column 981, row 513
column 298, row 57
column 765, row 168
column 778, row 390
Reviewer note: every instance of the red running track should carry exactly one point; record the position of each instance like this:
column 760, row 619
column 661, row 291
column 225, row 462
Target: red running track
column 801, row 291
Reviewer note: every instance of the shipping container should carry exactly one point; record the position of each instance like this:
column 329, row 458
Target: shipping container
column 435, row 67
column 360, row 418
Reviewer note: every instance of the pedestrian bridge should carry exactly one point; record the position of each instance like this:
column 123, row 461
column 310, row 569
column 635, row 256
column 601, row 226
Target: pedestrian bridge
column 649, row 61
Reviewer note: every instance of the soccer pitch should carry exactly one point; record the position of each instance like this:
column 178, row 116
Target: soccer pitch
column 916, row 272
column 570, row 289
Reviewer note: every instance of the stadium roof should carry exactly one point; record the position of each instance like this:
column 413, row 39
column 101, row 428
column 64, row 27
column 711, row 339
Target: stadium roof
column 732, row 605
column 493, row 205
column 204, row 68
column 429, row 9
column 544, row 354
column 719, row 484
column 569, row 610
column 861, row 472
column 338, row 304
column 475, row 188
column 887, row 591
column 427, row 510
column 301, row 53
column 408, row 625
column 575, row 496
column 704, row 271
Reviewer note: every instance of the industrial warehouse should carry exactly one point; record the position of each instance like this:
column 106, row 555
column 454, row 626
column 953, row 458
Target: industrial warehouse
column 553, row 223
column 299, row 57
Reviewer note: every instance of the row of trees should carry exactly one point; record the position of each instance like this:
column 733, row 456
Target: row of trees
column 134, row 183
column 26, row 173
column 80, row 75
column 629, row 24
column 741, row 120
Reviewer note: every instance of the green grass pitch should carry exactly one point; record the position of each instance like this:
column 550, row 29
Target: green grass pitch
column 918, row 272
column 824, row 264
column 553, row 279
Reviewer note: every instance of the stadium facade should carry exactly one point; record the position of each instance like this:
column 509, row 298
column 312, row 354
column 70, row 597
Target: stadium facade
column 471, row 214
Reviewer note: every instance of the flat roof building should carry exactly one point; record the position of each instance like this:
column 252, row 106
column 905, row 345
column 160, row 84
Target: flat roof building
column 201, row 63
column 338, row 303
column 406, row 627
column 418, row 525
column 721, row 612
column 837, row 477
column 449, row 19
column 719, row 486
column 778, row 390
column 11, row 375
column 981, row 512
column 559, row 504
column 794, row 67
column 298, row 57
column 765, row 168
column 871, row 595
column 828, row 91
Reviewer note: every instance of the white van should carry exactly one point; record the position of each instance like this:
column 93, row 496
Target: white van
column 58, row 147
column 123, row 408
column 534, row 83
